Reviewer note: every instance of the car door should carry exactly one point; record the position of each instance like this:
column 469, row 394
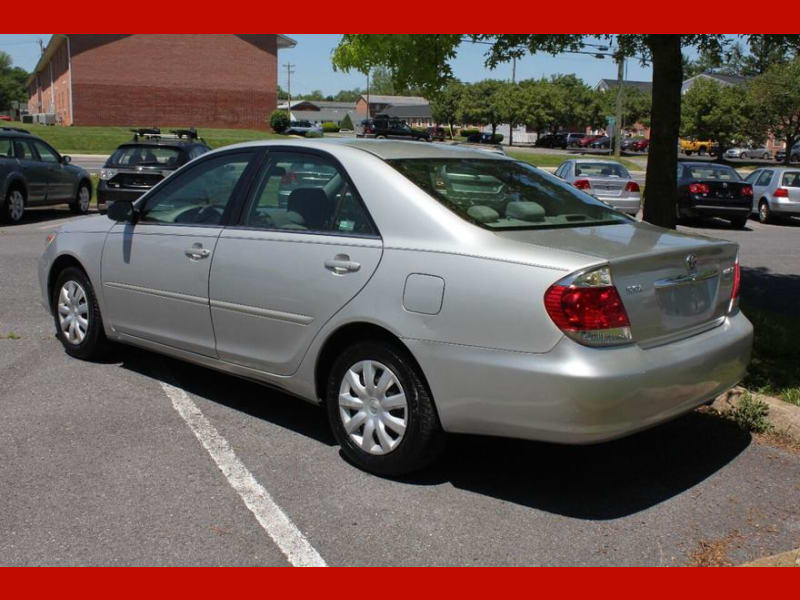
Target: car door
column 289, row 264
column 61, row 184
column 155, row 271
column 35, row 172
column 761, row 186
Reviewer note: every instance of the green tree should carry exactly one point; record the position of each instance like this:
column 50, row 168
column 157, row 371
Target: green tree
column 445, row 105
column 12, row 82
column 423, row 60
column 711, row 111
column 535, row 98
column 349, row 95
column 637, row 106
column 482, row 103
column 776, row 93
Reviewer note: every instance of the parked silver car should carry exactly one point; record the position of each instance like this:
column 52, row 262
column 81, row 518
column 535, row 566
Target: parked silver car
column 746, row 152
column 606, row 180
column 412, row 289
column 776, row 192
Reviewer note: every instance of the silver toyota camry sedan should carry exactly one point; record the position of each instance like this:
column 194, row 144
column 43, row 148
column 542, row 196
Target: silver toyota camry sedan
column 412, row 290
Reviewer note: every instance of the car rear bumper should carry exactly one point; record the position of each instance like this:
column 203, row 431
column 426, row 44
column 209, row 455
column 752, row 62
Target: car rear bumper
column 578, row 395
column 107, row 196
column 784, row 206
column 726, row 212
column 627, row 205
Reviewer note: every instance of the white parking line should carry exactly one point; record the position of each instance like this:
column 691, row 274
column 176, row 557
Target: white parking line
column 275, row 522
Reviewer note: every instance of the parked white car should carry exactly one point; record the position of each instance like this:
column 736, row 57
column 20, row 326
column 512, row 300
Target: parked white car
column 747, row 152
column 606, row 180
column 776, row 192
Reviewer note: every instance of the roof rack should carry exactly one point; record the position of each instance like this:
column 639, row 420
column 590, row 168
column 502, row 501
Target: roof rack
column 17, row 129
column 154, row 133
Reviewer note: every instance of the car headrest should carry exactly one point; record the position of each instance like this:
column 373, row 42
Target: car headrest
column 525, row 211
column 483, row 214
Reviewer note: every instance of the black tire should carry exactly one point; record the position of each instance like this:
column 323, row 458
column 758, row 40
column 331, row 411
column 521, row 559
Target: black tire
column 688, row 152
column 12, row 211
column 95, row 343
column 764, row 212
column 423, row 438
column 79, row 206
column 380, row 137
column 739, row 222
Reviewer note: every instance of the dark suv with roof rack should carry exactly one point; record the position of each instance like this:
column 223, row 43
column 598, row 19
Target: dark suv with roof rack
column 138, row 165
column 33, row 173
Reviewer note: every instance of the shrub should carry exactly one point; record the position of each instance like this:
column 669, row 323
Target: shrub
column 279, row 121
column 346, row 123
column 498, row 137
column 751, row 414
column 313, row 134
column 330, row 127
column 468, row 132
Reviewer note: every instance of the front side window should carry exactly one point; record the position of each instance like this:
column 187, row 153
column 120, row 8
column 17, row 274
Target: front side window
column 198, row 196
column 753, row 177
column 505, row 194
column 46, row 153
column 303, row 192
column 765, row 178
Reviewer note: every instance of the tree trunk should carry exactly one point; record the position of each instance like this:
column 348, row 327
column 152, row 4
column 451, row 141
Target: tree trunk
column 661, row 183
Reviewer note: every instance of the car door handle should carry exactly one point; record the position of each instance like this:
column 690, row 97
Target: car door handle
column 342, row 264
column 196, row 252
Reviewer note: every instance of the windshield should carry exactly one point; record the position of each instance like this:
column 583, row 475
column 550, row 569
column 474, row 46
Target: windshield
column 504, row 194
column 601, row 170
column 712, row 172
column 132, row 156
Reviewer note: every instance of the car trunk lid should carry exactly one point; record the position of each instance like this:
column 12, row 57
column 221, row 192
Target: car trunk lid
column 672, row 285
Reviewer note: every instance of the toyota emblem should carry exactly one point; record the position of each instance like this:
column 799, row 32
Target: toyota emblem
column 691, row 263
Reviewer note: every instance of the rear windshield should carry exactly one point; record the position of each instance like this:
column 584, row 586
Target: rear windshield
column 137, row 156
column 712, row 172
column 601, row 170
column 301, row 124
column 504, row 194
column 791, row 179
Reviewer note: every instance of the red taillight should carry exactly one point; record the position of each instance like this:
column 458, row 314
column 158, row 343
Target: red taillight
column 582, row 184
column 698, row 188
column 737, row 284
column 589, row 309
column 747, row 190
column 632, row 187
column 781, row 193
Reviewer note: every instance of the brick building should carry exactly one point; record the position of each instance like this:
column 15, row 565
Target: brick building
column 203, row 80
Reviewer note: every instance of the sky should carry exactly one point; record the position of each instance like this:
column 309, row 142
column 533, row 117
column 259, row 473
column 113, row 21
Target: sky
column 313, row 70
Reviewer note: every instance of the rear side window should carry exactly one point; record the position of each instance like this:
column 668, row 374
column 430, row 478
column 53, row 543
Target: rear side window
column 23, row 150
column 791, row 179
column 303, row 192
column 6, row 148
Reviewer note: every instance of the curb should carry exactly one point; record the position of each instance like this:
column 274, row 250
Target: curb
column 784, row 417
column 784, row 559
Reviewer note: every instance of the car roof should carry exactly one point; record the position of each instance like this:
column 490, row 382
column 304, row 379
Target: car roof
column 15, row 131
column 699, row 163
column 604, row 161
column 383, row 149
column 161, row 143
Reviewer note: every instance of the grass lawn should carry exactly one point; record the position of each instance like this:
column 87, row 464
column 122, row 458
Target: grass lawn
column 774, row 368
column 555, row 160
column 104, row 140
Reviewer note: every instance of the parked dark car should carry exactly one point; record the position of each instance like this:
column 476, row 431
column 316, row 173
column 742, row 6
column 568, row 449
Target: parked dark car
column 780, row 155
column 572, row 139
column 483, row 138
column 33, row 173
column 627, row 143
column 149, row 157
column 545, row 141
column 436, row 133
column 385, row 127
column 585, row 141
column 712, row 190
column 602, row 143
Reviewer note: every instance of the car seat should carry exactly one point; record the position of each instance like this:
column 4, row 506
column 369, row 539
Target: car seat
column 313, row 205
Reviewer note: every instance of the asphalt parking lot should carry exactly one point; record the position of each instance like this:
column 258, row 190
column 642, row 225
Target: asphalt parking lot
column 143, row 460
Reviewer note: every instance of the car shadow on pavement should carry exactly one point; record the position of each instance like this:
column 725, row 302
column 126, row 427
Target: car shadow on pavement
column 254, row 399
column 597, row 482
column 41, row 215
column 768, row 290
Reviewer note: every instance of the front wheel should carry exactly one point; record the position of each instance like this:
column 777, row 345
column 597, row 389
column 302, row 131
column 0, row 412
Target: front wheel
column 688, row 152
column 79, row 326
column 82, row 200
column 381, row 411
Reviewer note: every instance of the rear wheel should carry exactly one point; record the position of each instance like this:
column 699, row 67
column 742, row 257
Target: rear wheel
column 381, row 411
column 688, row 152
column 764, row 212
column 744, row 156
column 82, row 200
column 14, row 207
column 79, row 326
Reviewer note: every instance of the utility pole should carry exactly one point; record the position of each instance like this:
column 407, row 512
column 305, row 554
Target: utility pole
column 368, row 115
column 289, row 71
column 41, row 45
column 620, row 99
column 513, row 82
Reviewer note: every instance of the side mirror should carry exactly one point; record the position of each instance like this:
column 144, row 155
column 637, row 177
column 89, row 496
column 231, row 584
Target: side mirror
column 66, row 159
column 122, row 211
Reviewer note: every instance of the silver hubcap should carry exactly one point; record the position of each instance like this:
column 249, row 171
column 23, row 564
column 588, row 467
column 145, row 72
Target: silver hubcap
column 84, row 197
column 373, row 407
column 16, row 205
column 73, row 312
